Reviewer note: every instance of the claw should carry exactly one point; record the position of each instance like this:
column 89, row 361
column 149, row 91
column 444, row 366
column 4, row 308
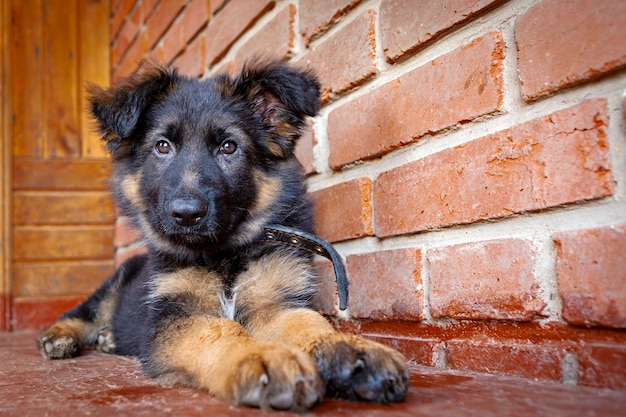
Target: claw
column 282, row 400
column 59, row 347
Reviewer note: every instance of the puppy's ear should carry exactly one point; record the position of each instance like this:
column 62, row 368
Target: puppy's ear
column 118, row 110
column 281, row 96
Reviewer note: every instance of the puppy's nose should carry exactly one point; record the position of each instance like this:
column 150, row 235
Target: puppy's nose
column 188, row 210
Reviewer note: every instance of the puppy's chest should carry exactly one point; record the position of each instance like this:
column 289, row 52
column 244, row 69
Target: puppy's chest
column 231, row 290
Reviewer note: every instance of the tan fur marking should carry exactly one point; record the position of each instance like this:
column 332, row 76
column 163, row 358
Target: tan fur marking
column 308, row 331
column 205, row 287
column 77, row 329
column 261, row 287
column 301, row 328
column 276, row 149
column 64, row 338
column 220, row 356
column 190, row 179
column 106, row 308
column 130, row 188
column 192, row 345
column 268, row 189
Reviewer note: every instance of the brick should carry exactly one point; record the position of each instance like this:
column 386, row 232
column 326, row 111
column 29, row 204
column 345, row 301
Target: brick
column 591, row 275
column 275, row 39
column 147, row 8
column 565, row 43
column 553, row 160
column 338, row 71
column 194, row 17
column 136, row 53
column 484, row 280
column 157, row 54
column 459, row 86
column 172, row 43
column 427, row 352
column 125, row 233
column 406, row 25
column 344, row 211
column 304, row 150
column 224, row 67
column 230, row 23
column 326, row 295
column 119, row 16
column 216, row 4
column 508, row 357
column 386, row 285
column 161, row 19
column 603, row 365
column 126, row 36
column 317, row 16
column 193, row 61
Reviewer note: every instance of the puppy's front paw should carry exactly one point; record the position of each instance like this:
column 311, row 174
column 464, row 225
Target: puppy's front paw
column 269, row 375
column 359, row 369
column 59, row 342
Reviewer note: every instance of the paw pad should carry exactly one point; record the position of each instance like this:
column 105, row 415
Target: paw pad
column 58, row 347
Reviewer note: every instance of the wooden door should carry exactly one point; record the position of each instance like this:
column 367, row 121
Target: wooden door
column 5, row 166
column 60, row 215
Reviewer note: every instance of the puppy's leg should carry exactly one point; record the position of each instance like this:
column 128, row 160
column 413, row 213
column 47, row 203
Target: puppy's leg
column 194, row 345
column 65, row 338
column 86, row 324
column 219, row 355
column 89, row 322
column 353, row 367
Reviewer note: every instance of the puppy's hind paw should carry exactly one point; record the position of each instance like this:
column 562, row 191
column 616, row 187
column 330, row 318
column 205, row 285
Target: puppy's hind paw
column 105, row 342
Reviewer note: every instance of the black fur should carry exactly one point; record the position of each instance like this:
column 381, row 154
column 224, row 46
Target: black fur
column 200, row 167
column 196, row 118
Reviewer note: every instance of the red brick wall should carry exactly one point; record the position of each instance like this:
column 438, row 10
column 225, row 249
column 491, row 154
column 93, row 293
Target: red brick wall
column 468, row 163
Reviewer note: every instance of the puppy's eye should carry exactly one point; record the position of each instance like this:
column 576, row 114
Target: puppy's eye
column 163, row 147
column 228, row 147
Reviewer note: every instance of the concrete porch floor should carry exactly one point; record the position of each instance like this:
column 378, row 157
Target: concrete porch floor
column 95, row 384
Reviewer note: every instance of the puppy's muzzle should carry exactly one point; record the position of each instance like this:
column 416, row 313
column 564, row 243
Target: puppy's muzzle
column 188, row 210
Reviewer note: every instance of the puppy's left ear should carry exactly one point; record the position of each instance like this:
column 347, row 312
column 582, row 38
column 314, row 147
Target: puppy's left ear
column 281, row 96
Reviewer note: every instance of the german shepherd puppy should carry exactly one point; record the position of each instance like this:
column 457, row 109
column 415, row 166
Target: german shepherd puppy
column 201, row 166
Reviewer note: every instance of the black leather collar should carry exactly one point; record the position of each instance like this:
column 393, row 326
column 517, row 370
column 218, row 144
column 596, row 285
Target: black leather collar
column 274, row 233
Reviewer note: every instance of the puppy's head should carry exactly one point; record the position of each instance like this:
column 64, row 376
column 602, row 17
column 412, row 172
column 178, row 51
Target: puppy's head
column 203, row 165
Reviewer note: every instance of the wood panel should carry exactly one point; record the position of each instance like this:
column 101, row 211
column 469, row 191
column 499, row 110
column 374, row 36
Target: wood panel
column 62, row 208
column 61, row 79
column 38, row 313
column 62, row 243
column 77, row 175
column 93, row 66
column 5, row 165
column 27, row 95
column 59, row 278
column 61, row 215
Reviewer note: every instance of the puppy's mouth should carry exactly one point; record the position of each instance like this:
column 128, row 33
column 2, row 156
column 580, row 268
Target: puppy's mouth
column 196, row 226
column 208, row 235
column 202, row 236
